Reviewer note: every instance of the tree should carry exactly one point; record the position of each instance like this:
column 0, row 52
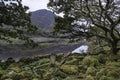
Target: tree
column 15, row 21
column 89, row 18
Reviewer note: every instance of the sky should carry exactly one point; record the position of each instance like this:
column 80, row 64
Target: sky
column 35, row 4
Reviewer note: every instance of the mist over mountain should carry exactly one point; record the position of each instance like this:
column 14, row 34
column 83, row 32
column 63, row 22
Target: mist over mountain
column 43, row 19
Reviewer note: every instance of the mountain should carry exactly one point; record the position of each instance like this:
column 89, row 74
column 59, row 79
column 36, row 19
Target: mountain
column 43, row 19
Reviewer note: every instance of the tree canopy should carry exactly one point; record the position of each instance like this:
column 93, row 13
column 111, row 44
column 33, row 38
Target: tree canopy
column 84, row 19
column 15, row 21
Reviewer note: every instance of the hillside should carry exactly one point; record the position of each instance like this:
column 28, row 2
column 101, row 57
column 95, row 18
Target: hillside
column 43, row 19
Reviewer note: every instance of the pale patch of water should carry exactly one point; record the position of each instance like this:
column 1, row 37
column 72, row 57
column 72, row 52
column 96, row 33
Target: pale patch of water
column 81, row 49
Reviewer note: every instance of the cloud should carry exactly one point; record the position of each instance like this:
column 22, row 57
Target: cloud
column 35, row 4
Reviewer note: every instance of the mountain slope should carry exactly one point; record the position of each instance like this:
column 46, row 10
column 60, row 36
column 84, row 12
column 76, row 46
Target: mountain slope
column 43, row 19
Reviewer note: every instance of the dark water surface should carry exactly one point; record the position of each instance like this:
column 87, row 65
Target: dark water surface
column 52, row 49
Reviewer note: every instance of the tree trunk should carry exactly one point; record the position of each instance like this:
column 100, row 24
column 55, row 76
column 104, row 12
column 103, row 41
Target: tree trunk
column 52, row 59
column 114, row 48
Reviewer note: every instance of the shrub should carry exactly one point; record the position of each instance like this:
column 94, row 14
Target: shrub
column 16, row 69
column 108, row 74
column 59, row 57
column 35, row 79
column 3, row 65
column 22, row 75
column 72, row 62
column 26, row 60
column 17, row 76
column 39, row 72
column 103, row 71
column 1, row 73
column 114, row 57
column 61, row 74
column 114, row 73
column 38, row 57
column 10, row 61
column 113, row 64
column 70, row 78
column 27, row 74
column 81, row 75
column 90, row 61
column 99, row 75
column 106, row 78
column 69, row 69
column 4, row 77
column 9, row 79
column 102, row 58
column 47, row 75
column 89, row 78
column 91, row 71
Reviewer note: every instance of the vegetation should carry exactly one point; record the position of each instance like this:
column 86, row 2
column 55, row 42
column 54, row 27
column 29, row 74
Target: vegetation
column 95, row 21
column 15, row 22
column 86, row 19
column 39, row 68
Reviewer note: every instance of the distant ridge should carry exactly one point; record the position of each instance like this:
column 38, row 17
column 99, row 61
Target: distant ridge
column 43, row 19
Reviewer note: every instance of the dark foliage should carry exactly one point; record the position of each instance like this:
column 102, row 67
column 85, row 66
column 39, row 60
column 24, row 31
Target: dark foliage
column 15, row 22
column 84, row 19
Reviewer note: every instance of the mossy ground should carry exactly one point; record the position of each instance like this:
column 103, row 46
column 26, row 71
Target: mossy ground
column 75, row 67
